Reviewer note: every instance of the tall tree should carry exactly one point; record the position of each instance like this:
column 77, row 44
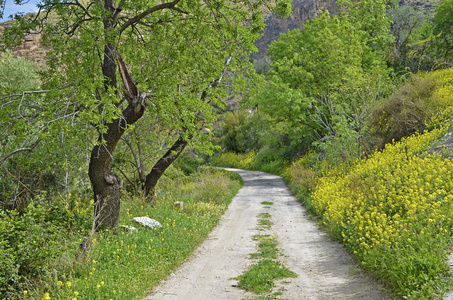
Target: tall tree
column 168, row 53
column 331, row 72
column 443, row 28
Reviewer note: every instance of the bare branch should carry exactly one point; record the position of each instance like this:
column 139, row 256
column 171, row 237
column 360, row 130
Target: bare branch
column 29, row 149
column 31, row 92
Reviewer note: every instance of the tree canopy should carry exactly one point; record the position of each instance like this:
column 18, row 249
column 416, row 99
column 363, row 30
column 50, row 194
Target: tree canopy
column 110, row 63
column 330, row 73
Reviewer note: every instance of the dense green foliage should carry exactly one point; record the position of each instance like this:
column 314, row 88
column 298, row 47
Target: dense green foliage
column 39, row 249
column 360, row 117
column 442, row 28
column 325, row 80
column 117, row 71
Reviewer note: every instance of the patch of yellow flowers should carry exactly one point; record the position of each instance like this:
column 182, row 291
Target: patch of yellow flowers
column 382, row 198
column 236, row 160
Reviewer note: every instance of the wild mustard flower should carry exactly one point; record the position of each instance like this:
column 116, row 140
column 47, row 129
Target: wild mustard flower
column 46, row 296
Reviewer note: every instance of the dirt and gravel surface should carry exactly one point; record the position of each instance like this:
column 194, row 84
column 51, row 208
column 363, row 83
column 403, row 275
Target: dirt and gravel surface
column 325, row 270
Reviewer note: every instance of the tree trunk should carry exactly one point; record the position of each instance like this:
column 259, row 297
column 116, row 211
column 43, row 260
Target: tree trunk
column 107, row 185
column 159, row 168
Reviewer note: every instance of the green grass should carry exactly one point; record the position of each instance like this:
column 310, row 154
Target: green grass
column 260, row 277
column 267, row 203
column 264, row 221
column 267, row 247
column 128, row 264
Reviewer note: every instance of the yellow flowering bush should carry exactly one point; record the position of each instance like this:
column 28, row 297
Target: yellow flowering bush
column 390, row 209
column 236, row 160
column 443, row 94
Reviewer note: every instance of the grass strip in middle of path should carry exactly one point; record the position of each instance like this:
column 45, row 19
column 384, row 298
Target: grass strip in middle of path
column 260, row 277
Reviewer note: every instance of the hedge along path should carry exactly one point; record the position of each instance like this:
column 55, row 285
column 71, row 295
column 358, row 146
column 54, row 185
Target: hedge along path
column 325, row 269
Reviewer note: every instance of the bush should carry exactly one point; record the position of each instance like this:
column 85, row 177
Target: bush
column 235, row 160
column 390, row 209
column 405, row 112
column 244, row 131
column 188, row 162
column 30, row 241
column 301, row 178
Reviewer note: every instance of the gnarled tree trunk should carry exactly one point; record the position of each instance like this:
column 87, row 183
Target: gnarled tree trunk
column 107, row 185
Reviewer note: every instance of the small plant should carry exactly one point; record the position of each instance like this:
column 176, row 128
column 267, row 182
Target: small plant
column 260, row 278
column 267, row 247
column 267, row 203
column 264, row 221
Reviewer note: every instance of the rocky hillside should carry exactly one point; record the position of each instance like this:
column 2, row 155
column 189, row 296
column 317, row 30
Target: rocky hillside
column 303, row 10
column 30, row 47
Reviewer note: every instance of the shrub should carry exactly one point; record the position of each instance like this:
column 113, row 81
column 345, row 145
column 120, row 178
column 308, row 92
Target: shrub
column 30, row 241
column 302, row 179
column 405, row 112
column 390, row 209
column 244, row 131
column 188, row 162
column 235, row 160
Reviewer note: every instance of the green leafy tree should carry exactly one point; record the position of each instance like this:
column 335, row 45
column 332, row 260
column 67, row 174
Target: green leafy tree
column 409, row 46
column 331, row 70
column 443, row 28
column 111, row 63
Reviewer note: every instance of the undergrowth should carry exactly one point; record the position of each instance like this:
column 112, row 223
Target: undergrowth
column 115, row 266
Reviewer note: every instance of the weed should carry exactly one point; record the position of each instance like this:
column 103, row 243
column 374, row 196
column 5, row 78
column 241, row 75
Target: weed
column 266, row 223
column 267, row 247
column 260, row 278
column 267, row 203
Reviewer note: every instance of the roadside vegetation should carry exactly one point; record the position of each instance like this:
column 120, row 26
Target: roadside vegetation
column 368, row 153
column 42, row 255
column 354, row 112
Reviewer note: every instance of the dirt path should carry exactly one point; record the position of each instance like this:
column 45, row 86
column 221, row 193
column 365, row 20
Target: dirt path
column 325, row 269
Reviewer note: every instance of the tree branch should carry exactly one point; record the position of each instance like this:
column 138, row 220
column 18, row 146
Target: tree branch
column 29, row 149
column 170, row 5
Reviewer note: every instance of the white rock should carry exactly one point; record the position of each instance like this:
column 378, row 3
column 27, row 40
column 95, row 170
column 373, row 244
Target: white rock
column 179, row 205
column 147, row 221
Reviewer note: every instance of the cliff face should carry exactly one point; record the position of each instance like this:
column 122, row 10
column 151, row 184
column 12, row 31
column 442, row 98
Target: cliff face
column 30, row 48
column 303, row 10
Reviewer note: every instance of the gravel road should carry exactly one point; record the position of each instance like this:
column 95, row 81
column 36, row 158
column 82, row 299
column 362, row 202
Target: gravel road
column 325, row 269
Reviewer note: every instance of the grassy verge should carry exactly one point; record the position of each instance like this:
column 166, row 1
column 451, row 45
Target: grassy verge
column 126, row 265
